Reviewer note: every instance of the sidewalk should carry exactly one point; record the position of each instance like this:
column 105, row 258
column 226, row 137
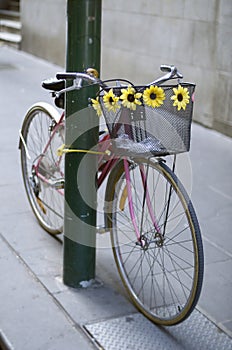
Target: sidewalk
column 38, row 312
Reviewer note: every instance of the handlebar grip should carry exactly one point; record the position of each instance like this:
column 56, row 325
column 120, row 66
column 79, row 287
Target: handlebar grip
column 165, row 68
column 171, row 69
column 66, row 76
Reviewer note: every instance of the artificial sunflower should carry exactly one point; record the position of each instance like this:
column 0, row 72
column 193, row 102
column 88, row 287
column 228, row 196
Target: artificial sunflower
column 96, row 105
column 130, row 98
column 180, row 97
column 111, row 101
column 154, row 96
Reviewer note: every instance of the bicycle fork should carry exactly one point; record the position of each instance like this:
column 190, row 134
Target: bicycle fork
column 146, row 199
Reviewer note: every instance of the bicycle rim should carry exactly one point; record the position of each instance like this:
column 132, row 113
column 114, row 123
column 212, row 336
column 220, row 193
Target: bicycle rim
column 46, row 201
column 163, row 274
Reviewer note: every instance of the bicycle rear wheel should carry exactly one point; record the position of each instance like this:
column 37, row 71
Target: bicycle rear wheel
column 163, row 270
column 39, row 162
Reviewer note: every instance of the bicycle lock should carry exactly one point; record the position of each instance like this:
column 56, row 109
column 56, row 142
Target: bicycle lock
column 83, row 51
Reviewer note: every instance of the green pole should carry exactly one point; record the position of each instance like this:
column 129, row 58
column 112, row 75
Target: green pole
column 83, row 51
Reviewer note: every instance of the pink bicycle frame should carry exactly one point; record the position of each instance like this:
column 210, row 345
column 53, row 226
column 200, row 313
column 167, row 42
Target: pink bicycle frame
column 106, row 163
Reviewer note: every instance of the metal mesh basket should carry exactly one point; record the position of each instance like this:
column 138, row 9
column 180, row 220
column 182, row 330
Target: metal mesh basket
column 150, row 131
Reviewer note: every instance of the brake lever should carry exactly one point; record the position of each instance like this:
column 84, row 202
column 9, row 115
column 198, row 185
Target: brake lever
column 179, row 75
column 77, row 85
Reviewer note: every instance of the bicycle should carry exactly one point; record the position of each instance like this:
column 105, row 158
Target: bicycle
column 155, row 235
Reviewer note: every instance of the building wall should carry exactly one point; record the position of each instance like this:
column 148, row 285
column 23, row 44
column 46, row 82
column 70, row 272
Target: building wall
column 44, row 29
column 139, row 35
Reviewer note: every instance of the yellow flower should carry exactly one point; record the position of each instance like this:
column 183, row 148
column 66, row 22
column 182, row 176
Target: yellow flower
column 154, row 96
column 180, row 97
column 130, row 98
column 111, row 101
column 96, row 105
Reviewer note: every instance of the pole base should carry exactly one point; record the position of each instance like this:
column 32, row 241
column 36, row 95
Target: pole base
column 79, row 263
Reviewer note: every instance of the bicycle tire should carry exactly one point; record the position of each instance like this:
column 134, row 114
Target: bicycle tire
column 163, row 278
column 46, row 203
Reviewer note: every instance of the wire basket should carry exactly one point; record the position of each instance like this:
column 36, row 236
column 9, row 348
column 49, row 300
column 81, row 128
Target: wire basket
column 140, row 129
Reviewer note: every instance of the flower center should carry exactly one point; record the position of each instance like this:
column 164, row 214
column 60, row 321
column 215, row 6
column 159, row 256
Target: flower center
column 130, row 97
column 111, row 100
column 152, row 96
column 180, row 97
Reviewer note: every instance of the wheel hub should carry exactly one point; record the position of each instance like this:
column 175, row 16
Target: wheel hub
column 145, row 241
column 159, row 239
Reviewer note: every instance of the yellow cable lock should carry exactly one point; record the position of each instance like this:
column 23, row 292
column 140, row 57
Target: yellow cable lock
column 62, row 150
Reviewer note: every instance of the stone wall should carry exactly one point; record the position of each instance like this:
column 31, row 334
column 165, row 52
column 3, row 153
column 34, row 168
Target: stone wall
column 44, row 29
column 139, row 35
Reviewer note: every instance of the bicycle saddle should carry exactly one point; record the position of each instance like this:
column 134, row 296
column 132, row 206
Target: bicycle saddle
column 53, row 84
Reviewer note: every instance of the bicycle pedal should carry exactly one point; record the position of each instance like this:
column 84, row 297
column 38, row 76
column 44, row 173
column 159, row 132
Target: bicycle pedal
column 42, row 207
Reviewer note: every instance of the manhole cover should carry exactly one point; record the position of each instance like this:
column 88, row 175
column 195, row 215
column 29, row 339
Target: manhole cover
column 135, row 332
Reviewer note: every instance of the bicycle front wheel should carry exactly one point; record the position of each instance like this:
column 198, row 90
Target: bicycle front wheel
column 162, row 270
column 42, row 167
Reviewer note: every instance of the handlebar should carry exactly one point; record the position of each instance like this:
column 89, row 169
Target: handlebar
column 78, row 78
column 75, row 76
column 173, row 73
column 91, row 77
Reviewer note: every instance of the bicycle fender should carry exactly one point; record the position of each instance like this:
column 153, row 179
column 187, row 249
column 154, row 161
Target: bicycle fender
column 43, row 106
column 114, row 176
column 47, row 106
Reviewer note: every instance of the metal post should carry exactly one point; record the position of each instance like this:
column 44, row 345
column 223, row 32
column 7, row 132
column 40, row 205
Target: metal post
column 83, row 51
